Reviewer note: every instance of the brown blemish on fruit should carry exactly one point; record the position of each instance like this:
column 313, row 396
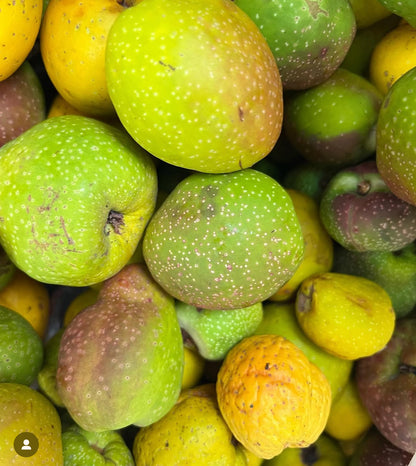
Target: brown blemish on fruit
column 62, row 222
column 116, row 221
column 315, row 9
column 240, row 114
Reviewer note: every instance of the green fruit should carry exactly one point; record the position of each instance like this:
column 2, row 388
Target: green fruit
column 396, row 138
column 215, row 332
column 21, row 349
column 7, row 269
column 25, row 410
column 280, row 319
column 193, row 432
column 334, row 123
column 82, row 448
column 195, row 83
column 309, row 39
column 404, row 8
column 76, row 196
column 224, row 241
column 121, row 359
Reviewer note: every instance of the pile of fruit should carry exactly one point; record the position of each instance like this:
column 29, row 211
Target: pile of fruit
column 208, row 232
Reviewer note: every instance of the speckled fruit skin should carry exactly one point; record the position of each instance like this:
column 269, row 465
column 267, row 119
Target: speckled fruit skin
column 216, row 331
column 193, row 432
column 21, row 349
column 334, row 123
column 224, row 241
column 120, row 360
column 76, row 196
column 386, row 383
column 396, row 138
column 271, row 396
column 360, row 212
column 19, row 27
column 350, row 317
column 22, row 103
column 309, row 39
column 23, row 409
column 195, row 83
column 404, row 8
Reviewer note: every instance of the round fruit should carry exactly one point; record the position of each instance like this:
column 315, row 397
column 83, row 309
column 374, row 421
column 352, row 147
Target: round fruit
column 393, row 56
column 22, row 410
column 224, row 241
column 348, row 316
column 21, row 349
column 29, row 298
column 396, row 138
column 19, row 27
column 271, row 396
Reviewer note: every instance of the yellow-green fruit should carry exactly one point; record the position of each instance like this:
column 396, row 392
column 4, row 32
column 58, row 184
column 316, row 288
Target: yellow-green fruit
column 348, row 316
column 368, row 12
column 193, row 432
column 280, row 319
column 193, row 368
column 348, row 418
column 319, row 250
column 23, row 409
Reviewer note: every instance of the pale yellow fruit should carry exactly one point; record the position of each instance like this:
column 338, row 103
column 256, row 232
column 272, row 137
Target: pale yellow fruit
column 86, row 298
column 73, row 40
column 271, row 396
column 29, row 298
column 348, row 418
column 319, row 250
column 348, row 316
column 193, row 369
column 23, row 409
column 19, row 27
column 393, row 56
column 193, row 432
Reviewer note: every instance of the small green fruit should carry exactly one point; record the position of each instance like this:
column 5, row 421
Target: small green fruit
column 195, row 83
column 21, row 349
column 224, row 241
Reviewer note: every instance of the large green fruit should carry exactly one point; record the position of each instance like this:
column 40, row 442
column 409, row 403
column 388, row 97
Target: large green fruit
column 121, row 359
column 224, row 241
column 396, row 138
column 76, row 195
column 195, row 83
column 309, row 39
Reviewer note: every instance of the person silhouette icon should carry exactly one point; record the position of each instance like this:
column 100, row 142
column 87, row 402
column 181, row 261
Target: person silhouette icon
column 26, row 444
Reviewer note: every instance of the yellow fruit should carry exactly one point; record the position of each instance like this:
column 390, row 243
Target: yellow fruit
column 348, row 316
column 19, row 27
column 73, row 39
column 60, row 106
column 193, row 432
column 23, row 409
column 29, row 298
column 348, row 418
column 79, row 303
column 318, row 255
column 193, row 368
column 368, row 12
column 271, row 396
column 393, row 56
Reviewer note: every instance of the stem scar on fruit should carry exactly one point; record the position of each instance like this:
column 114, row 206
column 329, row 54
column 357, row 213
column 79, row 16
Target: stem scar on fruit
column 115, row 220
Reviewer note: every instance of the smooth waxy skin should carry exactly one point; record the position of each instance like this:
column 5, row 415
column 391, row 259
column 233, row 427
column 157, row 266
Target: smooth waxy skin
column 396, row 138
column 121, row 360
column 19, row 27
column 22, row 103
column 76, row 197
column 224, row 241
column 21, row 348
column 193, row 432
column 387, row 386
column 264, row 379
column 360, row 212
column 404, row 8
column 350, row 317
column 23, row 409
column 309, row 39
column 333, row 123
column 195, row 83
